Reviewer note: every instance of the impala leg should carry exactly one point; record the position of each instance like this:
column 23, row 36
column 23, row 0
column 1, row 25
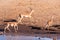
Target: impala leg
column 15, row 28
column 46, row 26
column 7, row 27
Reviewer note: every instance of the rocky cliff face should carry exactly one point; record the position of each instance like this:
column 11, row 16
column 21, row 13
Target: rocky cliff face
column 43, row 10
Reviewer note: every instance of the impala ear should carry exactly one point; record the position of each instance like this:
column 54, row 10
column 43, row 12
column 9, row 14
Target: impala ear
column 30, row 8
column 52, row 17
column 20, row 15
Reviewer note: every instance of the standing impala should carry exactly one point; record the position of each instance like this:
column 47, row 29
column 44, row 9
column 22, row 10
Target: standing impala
column 13, row 24
column 50, row 22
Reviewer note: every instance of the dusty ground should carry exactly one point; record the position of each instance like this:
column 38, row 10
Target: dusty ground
column 43, row 10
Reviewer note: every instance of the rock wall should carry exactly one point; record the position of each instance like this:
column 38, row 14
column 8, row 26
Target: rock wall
column 43, row 10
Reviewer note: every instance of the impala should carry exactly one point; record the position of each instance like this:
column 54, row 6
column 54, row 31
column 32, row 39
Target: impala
column 49, row 22
column 27, row 15
column 13, row 24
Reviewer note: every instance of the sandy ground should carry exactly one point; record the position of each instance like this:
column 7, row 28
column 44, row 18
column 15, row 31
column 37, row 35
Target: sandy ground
column 43, row 10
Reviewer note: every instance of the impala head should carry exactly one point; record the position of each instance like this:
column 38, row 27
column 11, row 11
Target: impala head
column 52, row 18
column 31, row 12
column 18, row 17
